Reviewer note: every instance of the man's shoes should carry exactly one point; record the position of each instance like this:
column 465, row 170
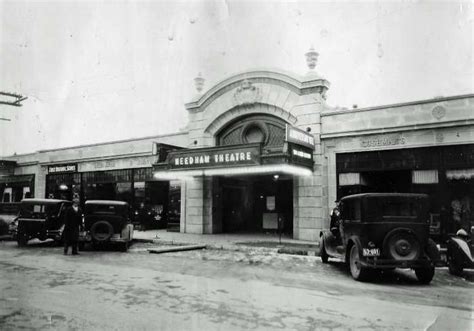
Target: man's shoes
column 76, row 253
column 65, row 253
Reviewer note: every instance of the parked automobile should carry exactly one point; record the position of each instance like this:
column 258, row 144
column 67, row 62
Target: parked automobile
column 382, row 231
column 460, row 252
column 39, row 218
column 107, row 221
column 8, row 214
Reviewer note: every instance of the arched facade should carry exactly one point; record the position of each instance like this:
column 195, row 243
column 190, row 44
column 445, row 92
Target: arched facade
column 268, row 180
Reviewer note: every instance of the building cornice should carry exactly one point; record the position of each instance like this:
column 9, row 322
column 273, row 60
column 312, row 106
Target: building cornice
column 98, row 158
column 396, row 105
column 401, row 128
column 113, row 142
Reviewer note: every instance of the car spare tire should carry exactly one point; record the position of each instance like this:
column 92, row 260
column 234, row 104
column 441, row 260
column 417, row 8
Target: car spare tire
column 402, row 245
column 101, row 231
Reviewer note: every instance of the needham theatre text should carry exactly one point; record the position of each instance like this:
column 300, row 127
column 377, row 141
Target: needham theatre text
column 215, row 157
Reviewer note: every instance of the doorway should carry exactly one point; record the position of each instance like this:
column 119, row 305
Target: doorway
column 257, row 204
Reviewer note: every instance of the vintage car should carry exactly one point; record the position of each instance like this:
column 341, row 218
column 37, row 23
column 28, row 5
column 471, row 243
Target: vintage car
column 382, row 231
column 8, row 214
column 39, row 218
column 107, row 221
column 460, row 252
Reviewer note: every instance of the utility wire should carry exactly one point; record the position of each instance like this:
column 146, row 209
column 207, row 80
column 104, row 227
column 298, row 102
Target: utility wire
column 17, row 103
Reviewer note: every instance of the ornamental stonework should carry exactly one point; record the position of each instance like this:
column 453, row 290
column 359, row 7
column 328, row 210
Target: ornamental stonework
column 247, row 93
column 439, row 137
column 438, row 112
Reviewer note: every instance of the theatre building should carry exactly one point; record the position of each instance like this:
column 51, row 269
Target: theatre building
column 263, row 152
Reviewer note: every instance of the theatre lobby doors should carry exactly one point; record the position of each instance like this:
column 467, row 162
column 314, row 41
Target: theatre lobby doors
column 257, row 204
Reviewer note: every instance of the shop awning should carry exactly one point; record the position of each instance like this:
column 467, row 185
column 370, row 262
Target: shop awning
column 16, row 179
column 234, row 171
column 460, row 174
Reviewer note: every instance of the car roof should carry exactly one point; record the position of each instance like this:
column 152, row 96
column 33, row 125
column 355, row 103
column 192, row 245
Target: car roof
column 384, row 195
column 106, row 202
column 43, row 201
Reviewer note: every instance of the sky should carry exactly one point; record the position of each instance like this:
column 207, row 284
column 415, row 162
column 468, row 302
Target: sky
column 101, row 71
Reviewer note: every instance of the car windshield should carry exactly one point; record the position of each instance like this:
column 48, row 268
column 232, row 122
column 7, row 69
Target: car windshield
column 39, row 210
column 105, row 209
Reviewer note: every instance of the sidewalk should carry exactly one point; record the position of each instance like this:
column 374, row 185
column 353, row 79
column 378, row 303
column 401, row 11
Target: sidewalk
column 235, row 242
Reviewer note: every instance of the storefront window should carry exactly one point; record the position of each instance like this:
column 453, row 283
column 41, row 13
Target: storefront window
column 17, row 187
column 123, row 192
column 63, row 186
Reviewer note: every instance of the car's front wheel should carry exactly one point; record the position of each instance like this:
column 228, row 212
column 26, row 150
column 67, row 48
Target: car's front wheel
column 425, row 275
column 358, row 272
column 323, row 254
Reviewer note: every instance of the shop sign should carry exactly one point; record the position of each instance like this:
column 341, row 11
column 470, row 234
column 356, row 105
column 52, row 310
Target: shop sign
column 299, row 137
column 215, row 157
column 382, row 140
column 301, row 155
column 62, row 168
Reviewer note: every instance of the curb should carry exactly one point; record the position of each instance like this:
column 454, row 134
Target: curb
column 279, row 249
column 296, row 251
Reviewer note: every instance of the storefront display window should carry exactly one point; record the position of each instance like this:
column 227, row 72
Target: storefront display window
column 16, row 187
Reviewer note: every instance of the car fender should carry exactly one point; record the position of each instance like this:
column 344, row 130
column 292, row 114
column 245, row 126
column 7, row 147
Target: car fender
column 325, row 237
column 324, row 234
column 352, row 240
column 463, row 247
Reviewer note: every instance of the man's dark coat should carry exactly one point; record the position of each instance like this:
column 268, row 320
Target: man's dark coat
column 72, row 223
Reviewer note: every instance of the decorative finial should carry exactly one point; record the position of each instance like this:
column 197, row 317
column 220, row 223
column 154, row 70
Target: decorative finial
column 199, row 83
column 311, row 58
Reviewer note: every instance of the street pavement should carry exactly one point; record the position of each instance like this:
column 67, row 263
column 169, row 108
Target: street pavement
column 216, row 289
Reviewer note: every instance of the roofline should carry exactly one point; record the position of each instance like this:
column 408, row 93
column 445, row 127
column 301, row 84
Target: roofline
column 113, row 142
column 388, row 194
column 97, row 144
column 301, row 82
column 39, row 200
column 396, row 105
column 107, row 202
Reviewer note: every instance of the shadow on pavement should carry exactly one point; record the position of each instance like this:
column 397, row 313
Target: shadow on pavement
column 382, row 277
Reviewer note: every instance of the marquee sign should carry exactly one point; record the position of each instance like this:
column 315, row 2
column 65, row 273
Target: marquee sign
column 299, row 137
column 62, row 168
column 300, row 155
column 199, row 158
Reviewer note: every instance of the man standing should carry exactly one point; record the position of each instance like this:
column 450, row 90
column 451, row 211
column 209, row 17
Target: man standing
column 72, row 224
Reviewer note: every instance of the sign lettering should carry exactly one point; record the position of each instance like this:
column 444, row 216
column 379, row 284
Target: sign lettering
column 62, row 168
column 299, row 137
column 302, row 154
column 382, row 141
column 215, row 157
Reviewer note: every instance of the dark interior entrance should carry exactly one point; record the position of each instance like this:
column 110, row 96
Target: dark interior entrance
column 257, row 204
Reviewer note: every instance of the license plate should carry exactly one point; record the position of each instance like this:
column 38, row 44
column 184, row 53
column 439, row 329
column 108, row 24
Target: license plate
column 371, row 252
